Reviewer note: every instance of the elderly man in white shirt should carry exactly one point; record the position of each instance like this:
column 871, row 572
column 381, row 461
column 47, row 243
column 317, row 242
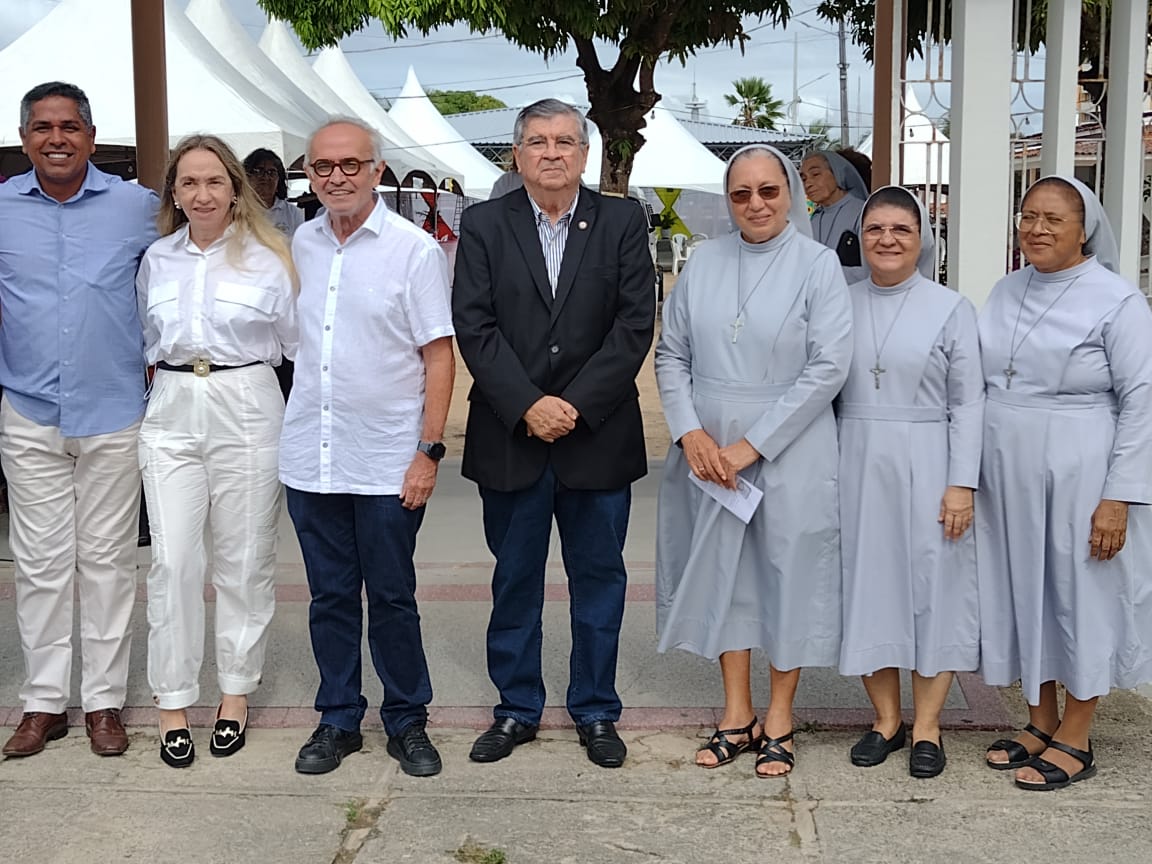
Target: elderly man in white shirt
column 361, row 442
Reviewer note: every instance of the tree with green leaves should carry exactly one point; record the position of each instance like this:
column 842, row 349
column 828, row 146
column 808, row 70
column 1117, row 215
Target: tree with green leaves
column 754, row 102
column 931, row 21
column 621, row 89
column 461, row 101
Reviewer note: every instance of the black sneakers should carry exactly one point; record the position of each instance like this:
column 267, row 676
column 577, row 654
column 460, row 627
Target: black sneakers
column 327, row 747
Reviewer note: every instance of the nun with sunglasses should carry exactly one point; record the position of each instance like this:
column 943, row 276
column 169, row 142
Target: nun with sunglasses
column 911, row 416
column 756, row 343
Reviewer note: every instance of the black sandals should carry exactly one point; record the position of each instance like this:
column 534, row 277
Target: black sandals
column 1056, row 777
column 1018, row 755
column 772, row 751
column 725, row 750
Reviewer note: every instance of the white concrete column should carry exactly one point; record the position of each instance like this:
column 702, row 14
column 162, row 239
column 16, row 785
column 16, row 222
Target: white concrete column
column 1123, row 138
column 1062, row 59
column 980, row 177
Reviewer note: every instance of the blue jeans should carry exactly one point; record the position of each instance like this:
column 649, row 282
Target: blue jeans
column 517, row 527
column 353, row 543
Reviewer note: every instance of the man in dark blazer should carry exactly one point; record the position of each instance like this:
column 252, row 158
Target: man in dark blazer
column 554, row 308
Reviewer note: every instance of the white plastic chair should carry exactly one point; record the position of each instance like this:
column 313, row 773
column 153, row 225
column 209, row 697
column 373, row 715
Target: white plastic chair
column 679, row 252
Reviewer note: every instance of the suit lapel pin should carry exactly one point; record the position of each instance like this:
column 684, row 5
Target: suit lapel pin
column 582, row 225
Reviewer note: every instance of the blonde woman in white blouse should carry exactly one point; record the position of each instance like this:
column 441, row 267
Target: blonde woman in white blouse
column 217, row 300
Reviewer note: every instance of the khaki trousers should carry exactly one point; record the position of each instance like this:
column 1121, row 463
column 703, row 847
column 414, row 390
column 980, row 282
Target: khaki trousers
column 74, row 505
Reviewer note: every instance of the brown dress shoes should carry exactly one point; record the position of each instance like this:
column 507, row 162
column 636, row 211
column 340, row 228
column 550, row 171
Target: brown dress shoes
column 106, row 732
column 35, row 730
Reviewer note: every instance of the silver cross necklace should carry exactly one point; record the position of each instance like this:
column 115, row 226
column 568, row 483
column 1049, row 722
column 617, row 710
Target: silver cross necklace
column 1014, row 346
column 738, row 321
column 877, row 370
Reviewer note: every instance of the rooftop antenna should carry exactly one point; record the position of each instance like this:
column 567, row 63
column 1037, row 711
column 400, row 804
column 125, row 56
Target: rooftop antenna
column 695, row 103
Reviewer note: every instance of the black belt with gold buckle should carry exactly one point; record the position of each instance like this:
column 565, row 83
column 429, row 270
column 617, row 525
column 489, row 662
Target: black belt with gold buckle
column 202, row 368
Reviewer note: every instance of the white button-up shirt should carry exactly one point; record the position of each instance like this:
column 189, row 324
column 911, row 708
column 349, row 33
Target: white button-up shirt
column 367, row 307
column 228, row 306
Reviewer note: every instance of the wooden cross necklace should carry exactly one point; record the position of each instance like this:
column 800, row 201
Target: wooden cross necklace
column 738, row 321
column 1014, row 346
column 877, row 370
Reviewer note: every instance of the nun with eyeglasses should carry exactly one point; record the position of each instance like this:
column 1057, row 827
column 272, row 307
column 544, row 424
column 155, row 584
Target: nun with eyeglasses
column 756, row 342
column 911, row 416
column 1064, row 530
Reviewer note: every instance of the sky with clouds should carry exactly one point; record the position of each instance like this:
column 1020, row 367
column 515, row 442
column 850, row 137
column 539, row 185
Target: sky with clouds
column 453, row 58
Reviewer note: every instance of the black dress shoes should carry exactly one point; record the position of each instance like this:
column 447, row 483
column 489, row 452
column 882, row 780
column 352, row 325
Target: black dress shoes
column 327, row 747
column 415, row 753
column 927, row 759
column 874, row 748
column 501, row 739
column 602, row 743
column 177, row 749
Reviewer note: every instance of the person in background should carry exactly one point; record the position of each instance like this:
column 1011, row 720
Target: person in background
column 269, row 180
column 217, row 299
column 911, row 415
column 756, row 343
column 839, row 192
column 860, row 162
column 507, row 182
column 1064, row 530
column 72, row 369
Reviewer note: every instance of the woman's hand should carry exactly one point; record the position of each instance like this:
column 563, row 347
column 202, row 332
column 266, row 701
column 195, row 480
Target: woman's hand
column 703, row 457
column 736, row 457
column 1109, row 529
column 956, row 510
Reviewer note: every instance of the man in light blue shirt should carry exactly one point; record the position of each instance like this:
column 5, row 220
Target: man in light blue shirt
column 72, row 369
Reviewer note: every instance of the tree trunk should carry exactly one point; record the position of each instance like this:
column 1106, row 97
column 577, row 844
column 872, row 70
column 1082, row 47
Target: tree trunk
column 618, row 111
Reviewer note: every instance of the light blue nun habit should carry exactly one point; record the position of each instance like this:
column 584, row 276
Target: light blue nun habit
column 773, row 584
column 1068, row 422
column 906, row 434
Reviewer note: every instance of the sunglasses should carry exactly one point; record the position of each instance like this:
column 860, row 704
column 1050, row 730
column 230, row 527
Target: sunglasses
column 348, row 167
column 743, row 196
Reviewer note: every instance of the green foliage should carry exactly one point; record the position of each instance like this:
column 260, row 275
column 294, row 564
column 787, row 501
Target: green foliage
column 643, row 32
column 461, row 101
column 638, row 27
column 931, row 20
column 756, row 106
column 471, row 852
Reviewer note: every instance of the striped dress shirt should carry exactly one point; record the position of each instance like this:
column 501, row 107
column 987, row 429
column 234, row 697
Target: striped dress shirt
column 553, row 238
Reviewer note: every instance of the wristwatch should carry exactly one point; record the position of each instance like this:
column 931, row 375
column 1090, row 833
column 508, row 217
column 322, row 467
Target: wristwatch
column 434, row 450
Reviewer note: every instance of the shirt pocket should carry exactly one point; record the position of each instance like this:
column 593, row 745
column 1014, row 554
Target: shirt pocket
column 163, row 292
column 234, row 300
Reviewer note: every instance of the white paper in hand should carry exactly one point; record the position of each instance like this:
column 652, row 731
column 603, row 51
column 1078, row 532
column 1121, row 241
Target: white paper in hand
column 741, row 502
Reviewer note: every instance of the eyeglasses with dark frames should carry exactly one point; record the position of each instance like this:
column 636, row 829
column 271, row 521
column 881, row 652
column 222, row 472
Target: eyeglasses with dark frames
column 348, row 167
column 743, row 196
column 265, row 173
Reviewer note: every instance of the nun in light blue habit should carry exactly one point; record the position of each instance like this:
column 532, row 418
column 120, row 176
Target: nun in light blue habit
column 1064, row 530
column 834, row 185
column 911, row 419
column 756, row 342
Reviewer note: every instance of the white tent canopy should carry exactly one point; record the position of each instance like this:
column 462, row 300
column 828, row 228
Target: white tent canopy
column 671, row 156
column 278, row 46
column 403, row 153
column 212, row 18
column 90, row 45
column 417, row 116
column 925, row 151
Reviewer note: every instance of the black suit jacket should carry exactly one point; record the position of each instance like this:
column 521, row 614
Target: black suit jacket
column 585, row 346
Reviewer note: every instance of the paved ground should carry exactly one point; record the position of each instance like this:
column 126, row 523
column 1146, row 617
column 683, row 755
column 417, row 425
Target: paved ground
column 548, row 803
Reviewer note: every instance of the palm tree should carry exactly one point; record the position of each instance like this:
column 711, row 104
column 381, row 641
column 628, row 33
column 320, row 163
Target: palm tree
column 755, row 104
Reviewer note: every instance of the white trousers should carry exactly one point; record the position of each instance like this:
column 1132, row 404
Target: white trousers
column 74, row 505
column 209, row 455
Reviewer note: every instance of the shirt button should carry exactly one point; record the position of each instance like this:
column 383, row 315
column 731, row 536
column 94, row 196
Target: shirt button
column 330, row 288
column 324, row 368
column 65, row 330
column 67, row 297
column 339, row 251
column 326, row 327
column 325, row 407
column 325, row 445
column 555, row 349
